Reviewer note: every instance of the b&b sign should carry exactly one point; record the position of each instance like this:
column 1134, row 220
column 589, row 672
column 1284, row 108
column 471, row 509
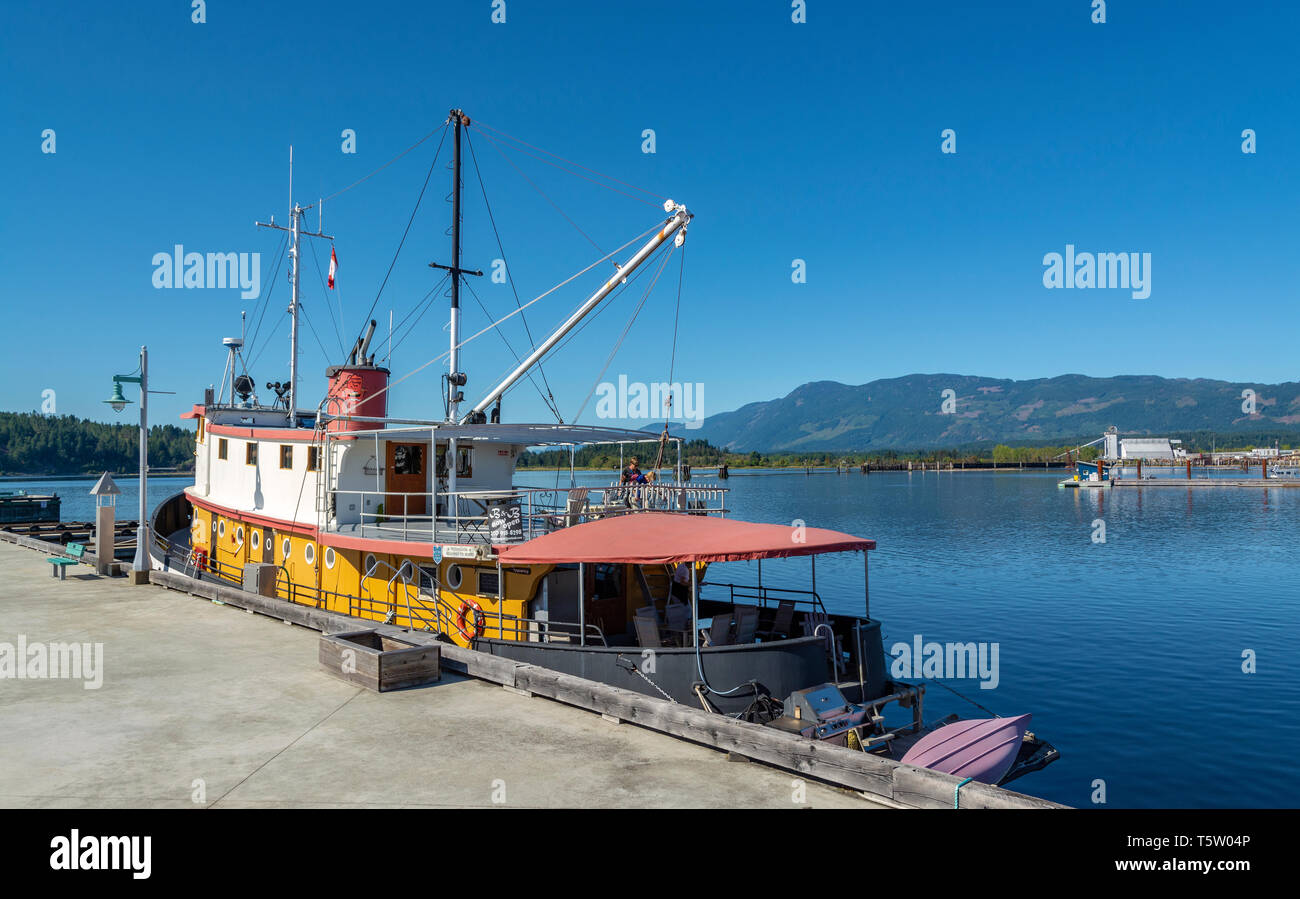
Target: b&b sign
column 506, row 523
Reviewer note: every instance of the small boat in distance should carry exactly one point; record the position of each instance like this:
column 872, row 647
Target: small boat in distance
column 1089, row 474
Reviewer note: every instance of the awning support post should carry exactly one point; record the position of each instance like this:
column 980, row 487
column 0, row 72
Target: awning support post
column 582, row 604
column 695, row 606
column 866, row 583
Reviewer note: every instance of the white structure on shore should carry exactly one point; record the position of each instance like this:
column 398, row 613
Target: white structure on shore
column 1155, row 448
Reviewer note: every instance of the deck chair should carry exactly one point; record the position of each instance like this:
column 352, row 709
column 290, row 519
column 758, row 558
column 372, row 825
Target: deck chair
column 575, row 505
column 746, row 623
column 720, row 633
column 782, row 622
column 677, row 616
column 647, row 629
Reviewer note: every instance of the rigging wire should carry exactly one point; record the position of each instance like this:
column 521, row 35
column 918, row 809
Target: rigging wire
column 406, row 232
column 382, row 167
column 324, row 292
column 663, row 262
column 651, row 193
column 266, row 300
column 509, row 315
column 425, row 302
column 510, row 279
column 312, row 328
column 518, row 361
column 672, row 364
column 609, row 302
column 545, row 196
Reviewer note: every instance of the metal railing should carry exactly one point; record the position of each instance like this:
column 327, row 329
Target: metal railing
column 463, row 516
column 545, row 630
column 764, row 594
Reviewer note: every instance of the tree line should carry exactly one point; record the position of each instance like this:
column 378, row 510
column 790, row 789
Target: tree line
column 35, row 444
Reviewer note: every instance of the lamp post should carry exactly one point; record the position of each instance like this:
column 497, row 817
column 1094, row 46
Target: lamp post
column 140, row 566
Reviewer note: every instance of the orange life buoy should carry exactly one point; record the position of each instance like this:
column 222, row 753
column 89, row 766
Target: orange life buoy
column 200, row 558
column 464, row 627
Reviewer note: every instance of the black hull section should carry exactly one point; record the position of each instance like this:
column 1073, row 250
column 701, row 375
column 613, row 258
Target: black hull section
column 779, row 666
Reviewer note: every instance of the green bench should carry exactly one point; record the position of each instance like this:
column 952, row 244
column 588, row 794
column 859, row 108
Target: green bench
column 75, row 554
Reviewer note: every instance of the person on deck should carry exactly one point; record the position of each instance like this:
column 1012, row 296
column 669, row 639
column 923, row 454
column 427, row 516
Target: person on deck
column 632, row 474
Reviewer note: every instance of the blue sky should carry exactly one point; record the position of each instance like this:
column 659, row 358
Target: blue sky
column 817, row 141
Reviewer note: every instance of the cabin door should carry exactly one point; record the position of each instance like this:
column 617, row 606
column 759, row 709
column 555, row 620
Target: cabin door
column 405, row 473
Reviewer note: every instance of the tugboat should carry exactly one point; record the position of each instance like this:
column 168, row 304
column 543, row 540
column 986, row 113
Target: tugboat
column 420, row 524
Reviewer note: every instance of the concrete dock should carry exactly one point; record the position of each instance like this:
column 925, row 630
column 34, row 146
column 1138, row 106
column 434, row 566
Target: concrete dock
column 204, row 705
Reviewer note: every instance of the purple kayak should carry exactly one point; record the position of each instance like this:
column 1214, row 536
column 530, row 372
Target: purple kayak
column 982, row 749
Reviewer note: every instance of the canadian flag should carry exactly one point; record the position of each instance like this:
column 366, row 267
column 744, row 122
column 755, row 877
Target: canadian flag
column 334, row 266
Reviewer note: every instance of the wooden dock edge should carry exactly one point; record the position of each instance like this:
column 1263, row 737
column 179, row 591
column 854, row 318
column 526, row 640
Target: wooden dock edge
column 885, row 779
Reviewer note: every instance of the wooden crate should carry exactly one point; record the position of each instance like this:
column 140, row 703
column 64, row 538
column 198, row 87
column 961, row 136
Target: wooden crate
column 380, row 663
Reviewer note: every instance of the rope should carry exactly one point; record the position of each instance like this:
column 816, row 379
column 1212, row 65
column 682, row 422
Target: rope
column 967, row 698
column 956, row 792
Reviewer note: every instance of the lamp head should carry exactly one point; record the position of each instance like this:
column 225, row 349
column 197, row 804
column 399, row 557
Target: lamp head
column 118, row 400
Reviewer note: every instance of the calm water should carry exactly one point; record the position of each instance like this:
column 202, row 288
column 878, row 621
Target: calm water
column 1127, row 653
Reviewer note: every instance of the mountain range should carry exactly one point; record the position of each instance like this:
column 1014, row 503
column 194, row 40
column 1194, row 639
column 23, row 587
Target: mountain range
column 942, row 410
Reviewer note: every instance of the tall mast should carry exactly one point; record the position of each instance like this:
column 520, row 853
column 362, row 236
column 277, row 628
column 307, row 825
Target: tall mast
column 455, row 377
column 452, row 387
column 295, row 215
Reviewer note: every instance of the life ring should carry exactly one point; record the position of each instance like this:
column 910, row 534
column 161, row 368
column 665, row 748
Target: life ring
column 463, row 626
column 200, row 558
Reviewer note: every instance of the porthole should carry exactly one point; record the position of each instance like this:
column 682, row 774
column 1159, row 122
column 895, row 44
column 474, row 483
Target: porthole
column 329, row 557
column 309, row 553
column 221, row 528
column 453, row 577
column 370, row 566
column 284, row 549
column 239, row 536
column 256, row 537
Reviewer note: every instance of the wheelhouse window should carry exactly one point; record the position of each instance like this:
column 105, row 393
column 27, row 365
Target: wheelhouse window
column 223, row 448
column 201, row 430
column 408, row 459
column 313, row 458
column 250, row 454
column 488, row 583
column 286, row 456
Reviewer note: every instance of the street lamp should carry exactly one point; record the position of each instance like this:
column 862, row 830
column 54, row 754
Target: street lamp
column 118, row 401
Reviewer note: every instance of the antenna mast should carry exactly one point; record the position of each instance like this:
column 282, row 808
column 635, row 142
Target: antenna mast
column 455, row 377
column 295, row 214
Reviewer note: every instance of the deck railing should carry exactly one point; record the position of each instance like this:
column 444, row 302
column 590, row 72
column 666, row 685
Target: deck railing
column 464, row 516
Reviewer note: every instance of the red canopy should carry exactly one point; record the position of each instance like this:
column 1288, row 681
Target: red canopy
column 651, row 538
